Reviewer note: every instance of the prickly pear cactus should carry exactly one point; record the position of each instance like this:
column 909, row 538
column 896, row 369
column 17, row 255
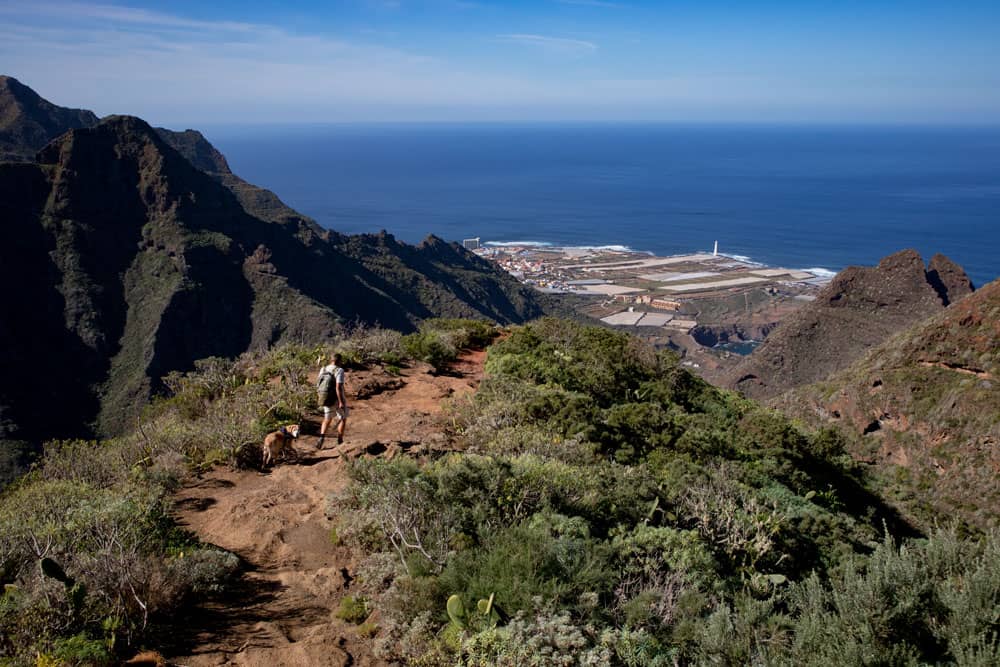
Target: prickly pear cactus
column 456, row 611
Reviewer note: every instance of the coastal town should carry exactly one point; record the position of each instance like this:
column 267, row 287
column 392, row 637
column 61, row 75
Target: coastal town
column 635, row 289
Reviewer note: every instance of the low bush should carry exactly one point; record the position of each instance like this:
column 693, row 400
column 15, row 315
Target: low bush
column 90, row 563
column 353, row 609
column 617, row 509
column 438, row 342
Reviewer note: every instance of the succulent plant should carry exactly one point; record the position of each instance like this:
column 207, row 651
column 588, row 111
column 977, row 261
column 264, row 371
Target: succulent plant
column 456, row 611
column 487, row 613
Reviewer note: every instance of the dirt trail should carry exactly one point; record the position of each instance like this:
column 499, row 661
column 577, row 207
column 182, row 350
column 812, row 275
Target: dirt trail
column 282, row 609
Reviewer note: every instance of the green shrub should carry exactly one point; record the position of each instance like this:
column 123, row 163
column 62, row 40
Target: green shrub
column 542, row 637
column 364, row 345
column 439, row 342
column 662, row 575
column 550, row 556
column 431, row 347
column 82, row 651
column 353, row 609
column 86, row 560
column 464, row 333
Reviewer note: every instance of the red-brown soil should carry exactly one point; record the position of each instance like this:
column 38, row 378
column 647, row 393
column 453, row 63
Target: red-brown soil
column 281, row 611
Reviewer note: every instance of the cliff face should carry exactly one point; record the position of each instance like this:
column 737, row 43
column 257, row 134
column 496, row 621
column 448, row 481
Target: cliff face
column 927, row 402
column 28, row 122
column 256, row 201
column 860, row 308
column 120, row 261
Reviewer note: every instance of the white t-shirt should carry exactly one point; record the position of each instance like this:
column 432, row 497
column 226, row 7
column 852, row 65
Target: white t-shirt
column 336, row 371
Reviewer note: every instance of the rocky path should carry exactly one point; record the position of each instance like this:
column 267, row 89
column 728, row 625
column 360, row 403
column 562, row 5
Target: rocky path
column 278, row 522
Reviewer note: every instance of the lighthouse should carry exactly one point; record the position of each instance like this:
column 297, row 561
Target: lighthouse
column 715, row 252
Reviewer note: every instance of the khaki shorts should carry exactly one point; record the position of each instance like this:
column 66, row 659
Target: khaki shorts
column 329, row 410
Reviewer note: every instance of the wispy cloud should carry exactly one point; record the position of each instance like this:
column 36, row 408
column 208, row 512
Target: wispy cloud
column 135, row 16
column 591, row 3
column 171, row 68
column 556, row 44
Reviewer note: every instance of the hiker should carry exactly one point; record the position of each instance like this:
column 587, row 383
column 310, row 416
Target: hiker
column 330, row 392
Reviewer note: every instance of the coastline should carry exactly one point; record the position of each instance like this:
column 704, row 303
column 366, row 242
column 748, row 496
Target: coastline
column 532, row 260
column 710, row 306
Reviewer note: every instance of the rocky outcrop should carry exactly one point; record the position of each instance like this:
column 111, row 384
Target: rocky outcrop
column 122, row 261
column 28, row 122
column 926, row 400
column 860, row 308
column 948, row 279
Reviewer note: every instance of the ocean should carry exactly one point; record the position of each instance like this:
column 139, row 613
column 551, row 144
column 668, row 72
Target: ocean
column 795, row 196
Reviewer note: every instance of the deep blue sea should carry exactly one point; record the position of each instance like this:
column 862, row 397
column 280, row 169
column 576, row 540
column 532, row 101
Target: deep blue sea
column 798, row 197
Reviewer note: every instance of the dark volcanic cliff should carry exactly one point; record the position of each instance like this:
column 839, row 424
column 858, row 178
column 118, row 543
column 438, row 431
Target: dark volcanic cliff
column 257, row 201
column 28, row 122
column 121, row 261
column 859, row 309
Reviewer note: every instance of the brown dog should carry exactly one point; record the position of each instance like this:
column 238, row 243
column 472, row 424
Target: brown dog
column 276, row 442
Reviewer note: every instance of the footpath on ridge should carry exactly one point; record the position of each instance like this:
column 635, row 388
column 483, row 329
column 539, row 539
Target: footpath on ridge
column 280, row 612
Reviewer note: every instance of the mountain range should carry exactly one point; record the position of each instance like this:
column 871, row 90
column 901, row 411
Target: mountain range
column 127, row 252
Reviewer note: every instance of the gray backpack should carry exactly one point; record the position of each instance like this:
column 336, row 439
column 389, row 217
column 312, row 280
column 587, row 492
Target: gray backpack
column 325, row 380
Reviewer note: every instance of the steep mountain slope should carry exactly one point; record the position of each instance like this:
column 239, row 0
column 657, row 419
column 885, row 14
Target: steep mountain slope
column 860, row 308
column 129, row 262
column 925, row 405
column 257, row 201
column 28, row 122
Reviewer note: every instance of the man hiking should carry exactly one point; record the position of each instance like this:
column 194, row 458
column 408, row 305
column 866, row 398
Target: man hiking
column 331, row 396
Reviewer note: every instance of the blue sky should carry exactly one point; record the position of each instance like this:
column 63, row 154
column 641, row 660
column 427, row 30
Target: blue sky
column 186, row 62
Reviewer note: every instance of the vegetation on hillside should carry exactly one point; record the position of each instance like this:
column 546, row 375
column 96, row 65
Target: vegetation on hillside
column 607, row 508
column 612, row 508
column 924, row 406
column 91, row 563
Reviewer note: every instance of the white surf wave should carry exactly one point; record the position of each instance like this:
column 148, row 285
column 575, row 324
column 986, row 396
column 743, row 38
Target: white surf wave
column 549, row 244
column 740, row 258
column 820, row 272
column 509, row 244
column 612, row 248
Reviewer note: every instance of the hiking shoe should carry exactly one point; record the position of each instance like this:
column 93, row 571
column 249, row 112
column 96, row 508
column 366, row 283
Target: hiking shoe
column 340, row 439
column 319, row 442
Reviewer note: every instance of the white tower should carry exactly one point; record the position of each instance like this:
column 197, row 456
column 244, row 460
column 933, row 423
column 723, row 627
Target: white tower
column 715, row 253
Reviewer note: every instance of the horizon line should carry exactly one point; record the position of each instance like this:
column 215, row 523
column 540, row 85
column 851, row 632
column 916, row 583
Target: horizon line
column 952, row 124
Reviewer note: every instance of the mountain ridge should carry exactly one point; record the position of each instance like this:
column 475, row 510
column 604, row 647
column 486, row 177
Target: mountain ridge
column 134, row 262
column 859, row 308
column 28, row 121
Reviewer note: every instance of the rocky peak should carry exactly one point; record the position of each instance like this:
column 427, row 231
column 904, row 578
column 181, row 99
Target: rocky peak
column 860, row 308
column 898, row 279
column 28, row 122
column 193, row 145
column 948, row 279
